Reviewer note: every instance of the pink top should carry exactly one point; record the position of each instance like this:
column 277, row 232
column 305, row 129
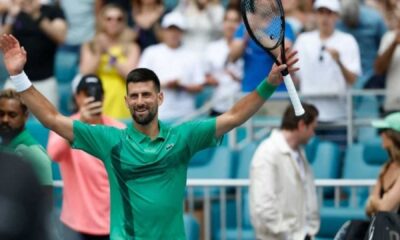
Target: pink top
column 86, row 192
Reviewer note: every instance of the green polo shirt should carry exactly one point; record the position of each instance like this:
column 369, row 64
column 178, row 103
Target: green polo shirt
column 147, row 177
column 28, row 148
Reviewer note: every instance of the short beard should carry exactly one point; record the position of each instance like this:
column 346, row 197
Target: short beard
column 351, row 12
column 146, row 119
column 7, row 134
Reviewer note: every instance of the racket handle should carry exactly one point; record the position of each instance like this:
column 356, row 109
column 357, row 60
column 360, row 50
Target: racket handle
column 294, row 97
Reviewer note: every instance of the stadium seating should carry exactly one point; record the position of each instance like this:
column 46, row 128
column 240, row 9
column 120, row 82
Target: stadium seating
column 192, row 228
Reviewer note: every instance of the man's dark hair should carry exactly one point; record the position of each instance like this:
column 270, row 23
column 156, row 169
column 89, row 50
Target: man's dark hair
column 12, row 94
column 143, row 75
column 290, row 121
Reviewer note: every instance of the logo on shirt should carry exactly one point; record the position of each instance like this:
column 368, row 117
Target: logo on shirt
column 169, row 146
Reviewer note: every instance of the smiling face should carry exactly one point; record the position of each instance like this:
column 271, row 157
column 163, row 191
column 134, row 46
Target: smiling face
column 113, row 21
column 143, row 101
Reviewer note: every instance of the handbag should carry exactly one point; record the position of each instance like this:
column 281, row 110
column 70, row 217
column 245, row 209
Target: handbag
column 384, row 226
column 353, row 230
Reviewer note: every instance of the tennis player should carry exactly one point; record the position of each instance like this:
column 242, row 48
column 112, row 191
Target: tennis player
column 147, row 162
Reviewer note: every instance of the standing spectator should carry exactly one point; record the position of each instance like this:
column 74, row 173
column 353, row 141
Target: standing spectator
column 390, row 9
column 147, row 15
column 283, row 199
column 179, row 70
column 86, row 195
column 388, row 63
column 329, row 64
column 111, row 55
column 226, row 76
column 203, row 20
column 386, row 193
column 367, row 26
column 15, row 138
column 40, row 28
column 298, row 15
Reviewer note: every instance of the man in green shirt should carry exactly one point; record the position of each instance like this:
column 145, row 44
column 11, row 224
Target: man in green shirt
column 15, row 138
column 147, row 162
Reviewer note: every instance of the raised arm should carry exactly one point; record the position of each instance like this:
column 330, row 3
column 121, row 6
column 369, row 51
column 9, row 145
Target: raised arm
column 251, row 103
column 45, row 112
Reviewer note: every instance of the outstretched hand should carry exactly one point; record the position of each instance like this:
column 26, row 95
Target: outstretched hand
column 275, row 76
column 14, row 54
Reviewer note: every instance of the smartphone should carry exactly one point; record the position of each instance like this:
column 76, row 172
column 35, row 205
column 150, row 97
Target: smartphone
column 94, row 90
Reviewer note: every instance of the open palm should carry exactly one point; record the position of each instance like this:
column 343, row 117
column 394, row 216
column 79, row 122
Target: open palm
column 14, row 54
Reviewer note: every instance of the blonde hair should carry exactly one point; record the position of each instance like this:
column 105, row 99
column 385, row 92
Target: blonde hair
column 12, row 94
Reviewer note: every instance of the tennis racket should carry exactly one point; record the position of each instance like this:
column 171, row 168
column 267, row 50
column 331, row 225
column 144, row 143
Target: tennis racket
column 265, row 23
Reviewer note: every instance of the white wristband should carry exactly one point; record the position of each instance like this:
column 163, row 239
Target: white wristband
column 21, row 82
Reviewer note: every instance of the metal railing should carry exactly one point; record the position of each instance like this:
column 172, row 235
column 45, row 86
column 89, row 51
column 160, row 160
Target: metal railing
column 222, row 190
column 350, row 123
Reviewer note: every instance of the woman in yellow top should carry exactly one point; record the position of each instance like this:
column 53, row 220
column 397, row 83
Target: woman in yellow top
column 112, row 54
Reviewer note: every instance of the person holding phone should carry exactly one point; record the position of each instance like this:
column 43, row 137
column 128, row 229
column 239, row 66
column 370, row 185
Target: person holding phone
column 85, row 211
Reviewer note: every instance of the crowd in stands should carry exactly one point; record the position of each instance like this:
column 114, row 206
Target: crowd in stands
column 196, row 47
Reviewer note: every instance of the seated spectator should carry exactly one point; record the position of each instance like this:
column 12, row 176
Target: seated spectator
column 386, row 193
column 85, row 210
column 178, row 69
column 283, row 198
column 111, row 55
column 15, row 138
column 40, row 29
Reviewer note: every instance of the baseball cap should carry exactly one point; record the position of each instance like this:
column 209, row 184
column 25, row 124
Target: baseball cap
column 333, row 5
column 174, row 19
column 82, row 82
column 392, row 121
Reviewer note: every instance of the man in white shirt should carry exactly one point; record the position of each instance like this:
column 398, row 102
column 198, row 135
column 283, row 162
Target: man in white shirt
column 178, row 69
column 283, row 199
column 329, row 62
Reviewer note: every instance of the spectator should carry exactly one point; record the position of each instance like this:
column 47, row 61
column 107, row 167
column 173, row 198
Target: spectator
column 203, row 20
column 388, row 64
column 111, row 55
column 22, row 202
column 226, row 76
column 86, row 195
column 283, row 199
column 386, row 193
column 147, row 15
column 329, row 64
column 15, row 138
column 40, row 28
column 179, row 70
column 367, row 26
column 390, row 9
column 299, row 17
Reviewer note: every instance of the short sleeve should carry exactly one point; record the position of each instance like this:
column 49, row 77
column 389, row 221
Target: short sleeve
column 240, row 32
column 97, row 140
column 201, row 134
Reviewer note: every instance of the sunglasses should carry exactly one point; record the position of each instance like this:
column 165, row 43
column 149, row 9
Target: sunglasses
column 321, row 53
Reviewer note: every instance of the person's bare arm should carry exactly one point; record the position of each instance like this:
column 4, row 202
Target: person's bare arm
column 250, row 104
column 384, row 60
column 236, row 49
column 56, row 29
column 15, row 59
column 90, row 58
column 350, row 77
column 133, row 54
column 390, row 200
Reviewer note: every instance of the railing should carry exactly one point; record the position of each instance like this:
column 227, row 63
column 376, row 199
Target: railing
column 351, row 122
column 233, row 189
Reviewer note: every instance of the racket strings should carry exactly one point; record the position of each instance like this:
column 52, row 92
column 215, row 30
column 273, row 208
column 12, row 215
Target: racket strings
column 264, row 19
